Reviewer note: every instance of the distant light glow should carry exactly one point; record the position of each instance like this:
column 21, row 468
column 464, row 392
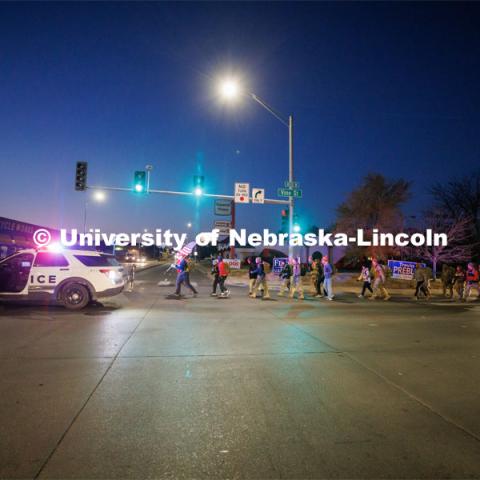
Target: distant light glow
column 296, row 228
column 198, row 192
column 99, row 196
column 189, row 225
column 229, row 89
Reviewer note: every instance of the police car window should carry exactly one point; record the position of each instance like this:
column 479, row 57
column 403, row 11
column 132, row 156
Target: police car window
column 97, row 261
column 50, row 259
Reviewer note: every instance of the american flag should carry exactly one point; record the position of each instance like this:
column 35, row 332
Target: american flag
column 185, row 250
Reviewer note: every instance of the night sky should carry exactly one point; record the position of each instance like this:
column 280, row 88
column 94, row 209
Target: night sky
column 390, row 88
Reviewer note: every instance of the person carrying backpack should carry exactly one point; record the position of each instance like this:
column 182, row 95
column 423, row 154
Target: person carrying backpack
column 183, row 277
column 285, row 275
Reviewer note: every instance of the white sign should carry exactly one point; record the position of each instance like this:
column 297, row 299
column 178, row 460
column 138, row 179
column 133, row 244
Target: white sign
column 223, row 227
column 223, row 207
column 258, row 195
column 233, row 263
column 242, row 192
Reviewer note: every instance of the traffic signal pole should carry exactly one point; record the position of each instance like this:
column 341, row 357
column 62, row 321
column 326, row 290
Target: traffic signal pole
column 272, row 201
column 232, row 225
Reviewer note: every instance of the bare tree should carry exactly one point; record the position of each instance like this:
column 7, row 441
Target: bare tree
column 461, row 199
column 459, row 234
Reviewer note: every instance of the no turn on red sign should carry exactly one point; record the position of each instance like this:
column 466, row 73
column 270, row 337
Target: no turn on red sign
column 242, row 192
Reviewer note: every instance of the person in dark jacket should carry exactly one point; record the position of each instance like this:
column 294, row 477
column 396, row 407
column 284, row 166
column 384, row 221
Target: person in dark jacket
column 252, row 275
column 285, row 275
column 459, row 281
column 261, row 280
column 216, row 277
column 447, row 276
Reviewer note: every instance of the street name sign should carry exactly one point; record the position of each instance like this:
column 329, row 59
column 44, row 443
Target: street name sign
column 242, row 192
column 289, row 192
column 294, row 185
column 258, row 195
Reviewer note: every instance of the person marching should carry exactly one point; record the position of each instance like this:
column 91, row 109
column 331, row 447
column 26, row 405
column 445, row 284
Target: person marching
column 223, row 271
column 366, row 278
column 421, row 282
column 285, row 275
column 296, row 282
column 252, row 275
column 472, row 278
column 216, row 277
column 379, row 279
column 261, row 280
column 319, row 277
column 131, row 268
column 447, row 277
column 183, row 277
column 328, row 280
column 459, row 281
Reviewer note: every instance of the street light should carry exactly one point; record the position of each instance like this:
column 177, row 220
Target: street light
column 99, row 196
column 230, row 89
column 189, row 225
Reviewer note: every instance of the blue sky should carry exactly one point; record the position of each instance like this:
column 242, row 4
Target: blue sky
column 390, row 88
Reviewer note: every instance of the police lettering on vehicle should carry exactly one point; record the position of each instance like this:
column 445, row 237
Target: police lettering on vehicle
column 52, row 279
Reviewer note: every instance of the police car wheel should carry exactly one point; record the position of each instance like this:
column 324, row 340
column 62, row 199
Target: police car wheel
column 75, row 296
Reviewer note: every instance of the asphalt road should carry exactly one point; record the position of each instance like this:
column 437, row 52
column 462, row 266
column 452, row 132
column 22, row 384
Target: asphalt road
column 147, row 386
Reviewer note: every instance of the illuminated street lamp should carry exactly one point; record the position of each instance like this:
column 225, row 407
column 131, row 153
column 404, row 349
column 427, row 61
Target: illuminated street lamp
column 230, row 89
column 99, row 196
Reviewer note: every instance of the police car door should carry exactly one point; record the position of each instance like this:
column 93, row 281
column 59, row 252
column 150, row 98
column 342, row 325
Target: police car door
column 49, row 269
column 14, row 274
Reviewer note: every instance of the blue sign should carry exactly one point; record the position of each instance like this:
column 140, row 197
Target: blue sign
column 403, row 270
column 278, row 264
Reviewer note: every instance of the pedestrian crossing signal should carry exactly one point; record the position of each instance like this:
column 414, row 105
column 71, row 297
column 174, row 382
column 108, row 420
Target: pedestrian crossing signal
column 81, row 176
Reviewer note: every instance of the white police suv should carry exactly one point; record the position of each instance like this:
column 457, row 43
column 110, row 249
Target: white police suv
column 71, row 278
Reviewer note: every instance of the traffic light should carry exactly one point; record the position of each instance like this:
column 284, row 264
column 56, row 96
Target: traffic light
column 296, row 226
column 198, row 184
column 284, row 227
column 140, row 181
column 81, row 176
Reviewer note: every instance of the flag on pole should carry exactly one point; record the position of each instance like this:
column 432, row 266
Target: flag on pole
column 185, row 250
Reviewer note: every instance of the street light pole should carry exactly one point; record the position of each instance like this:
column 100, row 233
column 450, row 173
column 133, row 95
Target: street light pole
column 290, row 179
column 288, row 123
